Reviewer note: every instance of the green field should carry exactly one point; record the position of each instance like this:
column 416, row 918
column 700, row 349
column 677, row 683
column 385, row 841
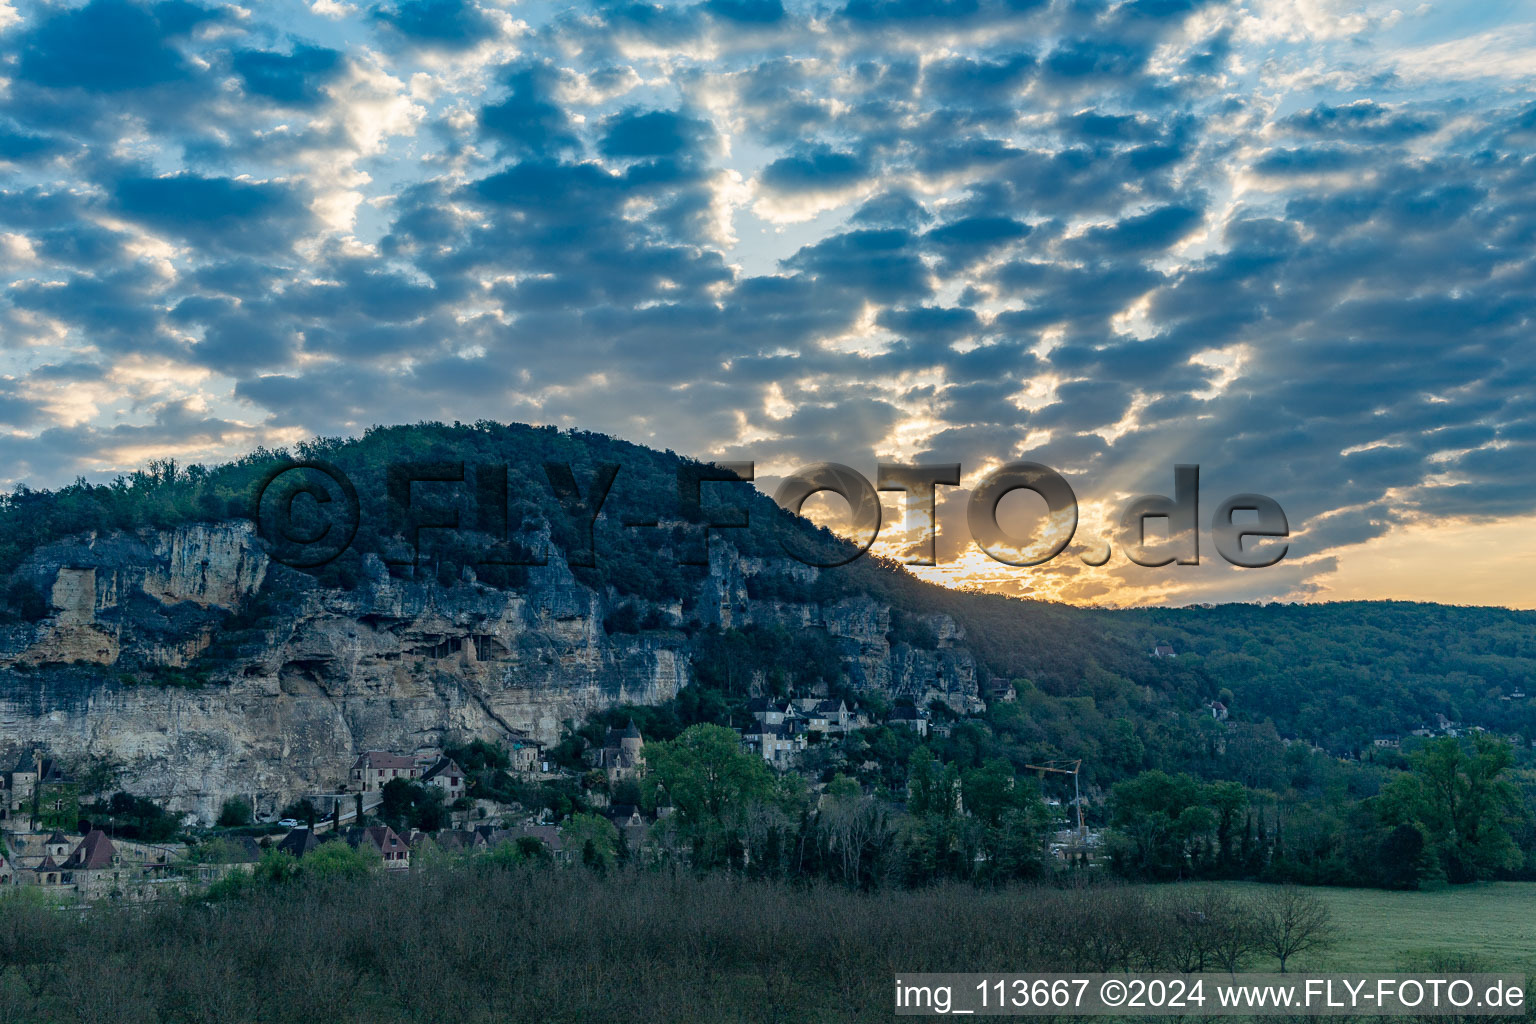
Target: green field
column 1492, row 923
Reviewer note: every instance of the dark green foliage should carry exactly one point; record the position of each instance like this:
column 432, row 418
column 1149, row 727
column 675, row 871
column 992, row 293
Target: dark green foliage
column 408, row 804
column 24, row 601
column 302, row 810
column 235, row 812
column 132, row 817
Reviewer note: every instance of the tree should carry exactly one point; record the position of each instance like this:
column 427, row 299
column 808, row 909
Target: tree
column 1399, row 858
column 594, row 837
column 234, row 812
column 1289, row 920
column 525, row 850
column 337, row 859
column 852, row 827
column 932, row 789
column 711, row 782
column 1227, row 800
column 1156, row 818
column 301, row 810
column 408, row 803
column 1460, row 800
column 991, row 791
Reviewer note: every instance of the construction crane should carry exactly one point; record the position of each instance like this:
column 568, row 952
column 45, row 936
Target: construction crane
column 1077, row 796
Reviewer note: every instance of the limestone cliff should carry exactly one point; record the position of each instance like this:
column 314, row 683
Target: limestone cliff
column 208, row 671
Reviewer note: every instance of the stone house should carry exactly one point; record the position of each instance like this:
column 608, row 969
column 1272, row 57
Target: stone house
column 1001, row 690
column 37, row 783
column 829, row 716
column 909, row 718
column 46, row 872
column 92, row 868
column 620, row 756
column 234, row 854
column 525, row 757
column 632, row 825
column 57, row 846
column 776, row 744
column 382, row 840
column 375, row 768
column 460, row 840
column 447, row 776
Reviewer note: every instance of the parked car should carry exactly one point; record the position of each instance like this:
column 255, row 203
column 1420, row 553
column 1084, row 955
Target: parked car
column 289, row 823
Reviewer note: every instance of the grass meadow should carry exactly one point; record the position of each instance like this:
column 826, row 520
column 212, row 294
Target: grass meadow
column 1493, row 923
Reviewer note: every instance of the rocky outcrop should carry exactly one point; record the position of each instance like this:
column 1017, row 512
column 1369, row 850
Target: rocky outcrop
column 207, row 671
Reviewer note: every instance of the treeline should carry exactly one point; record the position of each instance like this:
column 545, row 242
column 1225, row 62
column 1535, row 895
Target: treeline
column 494, row 476
column 488, row 939
column 881, row 806
column 1453, row 816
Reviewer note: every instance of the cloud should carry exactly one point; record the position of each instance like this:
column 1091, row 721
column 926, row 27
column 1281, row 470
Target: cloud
column 441, row 24
column 110, row 46
column 292, row 79
column 1156, row 232
column 216, row 213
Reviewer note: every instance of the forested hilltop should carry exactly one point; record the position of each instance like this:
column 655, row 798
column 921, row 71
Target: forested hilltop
column 1268, row 740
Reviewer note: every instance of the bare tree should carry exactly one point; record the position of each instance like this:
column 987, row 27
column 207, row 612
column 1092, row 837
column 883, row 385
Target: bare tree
column 1206, row 928
column 1291, row 920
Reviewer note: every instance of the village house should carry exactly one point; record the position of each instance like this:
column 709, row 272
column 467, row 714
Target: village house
column 525, row 757
column 92, row 868
column 1218, row 710
column 382, row 840
column 1001, row 690
column 57, row 845
column 766, row 709
column 549, row 835
column 776, row 744
column 831, row 717
column 1162, row 649
column 630, row 822
column 909, row 717
column 447, row 776
column 459, row 840
column 45, row 872
column 375, row 768
column 1386, row 743
column 1078, row 850
column 298, row 842
column 620, row 755
column 36, row 788
column 228, row 856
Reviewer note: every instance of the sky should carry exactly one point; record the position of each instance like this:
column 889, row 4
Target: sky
column 1289, row 241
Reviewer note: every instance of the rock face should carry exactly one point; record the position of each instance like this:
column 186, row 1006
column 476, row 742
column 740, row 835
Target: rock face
column 168, row 652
